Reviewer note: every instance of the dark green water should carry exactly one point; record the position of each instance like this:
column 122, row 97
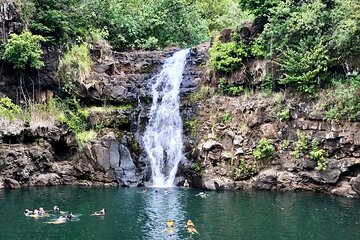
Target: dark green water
column 222, row 215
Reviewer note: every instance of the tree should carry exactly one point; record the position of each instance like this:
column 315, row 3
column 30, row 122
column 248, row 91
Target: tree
column 24, row 50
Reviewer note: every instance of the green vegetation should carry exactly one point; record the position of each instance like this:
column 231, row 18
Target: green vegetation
column 284, row 144
column 84, row 137
column 74, row 66
column 24, row 50
column 8, row 109
column 130, row 24
column 344, row 101
column 197, row 168
column 317, row 155
column 226, row 118
column 229, row 88
column 301, row 145
column 243, row 171
column 305, row 66
column 200, row 94
column 309, row 41
column 282, row 114
column 75, row 116
column 264, row 150
column 226, row 57
column 110, row 108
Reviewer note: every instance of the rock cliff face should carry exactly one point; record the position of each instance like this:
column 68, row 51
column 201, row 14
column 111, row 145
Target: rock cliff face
column 10, row 20
column 46, row 153
column 228, row 131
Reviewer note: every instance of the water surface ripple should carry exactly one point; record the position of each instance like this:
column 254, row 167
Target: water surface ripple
column 132, row 214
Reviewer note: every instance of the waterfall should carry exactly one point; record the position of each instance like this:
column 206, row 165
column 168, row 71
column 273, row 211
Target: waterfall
column 163, row 135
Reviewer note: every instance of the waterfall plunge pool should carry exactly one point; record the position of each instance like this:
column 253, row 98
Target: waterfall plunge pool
column 132, row 214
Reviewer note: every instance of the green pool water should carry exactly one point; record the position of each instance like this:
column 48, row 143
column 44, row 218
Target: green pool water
column 222, row 215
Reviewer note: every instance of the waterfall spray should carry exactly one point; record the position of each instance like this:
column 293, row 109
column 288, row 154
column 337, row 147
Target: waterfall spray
column 163, row 135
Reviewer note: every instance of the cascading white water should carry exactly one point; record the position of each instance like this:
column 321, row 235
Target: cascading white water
column 163, row 135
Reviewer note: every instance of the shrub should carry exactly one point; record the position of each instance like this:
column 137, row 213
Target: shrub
column 344, row 101
column 8, row 109
column 345, row 37
column 229, row 88
column 284, row 144
column 317, row 155
column 74, row 115
column 74, row 66
column 264, row 150
column 24, row 50
column 283, row 114
column 304, row 66
column 301, row 144
column 226, row 57
column 243, row 171
column 84, row 137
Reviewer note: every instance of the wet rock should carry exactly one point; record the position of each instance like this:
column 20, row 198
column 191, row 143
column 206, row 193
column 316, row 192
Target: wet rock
column 218, row 184
column 48, row 179
column 11, row 183
column 344, row 189
column 355, row 183
column 113, row 162
column 266, row 180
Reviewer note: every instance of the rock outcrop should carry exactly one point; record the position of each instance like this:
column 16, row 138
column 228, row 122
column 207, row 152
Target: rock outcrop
column 46, row 153
column 225, row 146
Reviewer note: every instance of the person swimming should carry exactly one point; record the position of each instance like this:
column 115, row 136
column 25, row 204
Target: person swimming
column 202, row 195
column 190, row 226
column 186, row 184
column 59, row 220
column 41, row 211
column 36, row 212
column 56, row 209
column 169, row 223
column 27, row 212
column 69, row 216
column 102, row 212
column 169, row 227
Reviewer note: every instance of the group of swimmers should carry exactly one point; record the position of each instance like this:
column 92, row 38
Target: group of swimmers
column 190, row 227
column 65, row 215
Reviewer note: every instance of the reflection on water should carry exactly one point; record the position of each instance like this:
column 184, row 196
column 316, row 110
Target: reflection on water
column 132, row 214
column 161, row 205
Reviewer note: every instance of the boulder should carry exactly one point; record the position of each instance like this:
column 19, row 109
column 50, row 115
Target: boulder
column 344, row 189
column 11, row 183
column 266, row 179
column 48, row 179
column 355, row 184
column 216, row 183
